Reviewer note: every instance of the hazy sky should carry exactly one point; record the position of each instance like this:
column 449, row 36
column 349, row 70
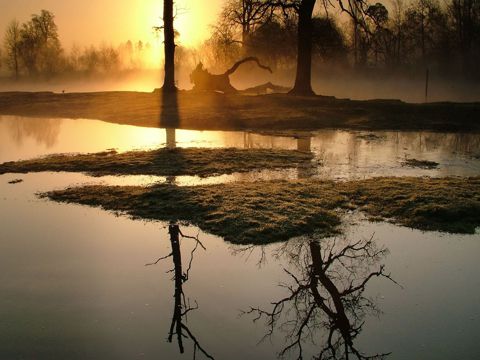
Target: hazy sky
column 113, row 21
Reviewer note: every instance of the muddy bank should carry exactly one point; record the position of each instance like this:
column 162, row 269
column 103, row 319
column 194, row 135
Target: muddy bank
column 213, row 111
column 271, row 211
column 164, row 162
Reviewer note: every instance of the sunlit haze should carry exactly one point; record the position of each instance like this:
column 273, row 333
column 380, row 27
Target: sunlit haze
column 113, row 21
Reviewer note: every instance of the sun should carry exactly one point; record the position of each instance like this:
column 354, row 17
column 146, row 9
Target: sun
column 192, row 22
column 192, row 19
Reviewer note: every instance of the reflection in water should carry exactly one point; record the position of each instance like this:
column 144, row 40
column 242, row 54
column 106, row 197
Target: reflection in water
column 182, row 306
column 326, row 293
column 341, row 154
column 169, row 117
column 171, row 138
column 304, row 144
column 170, row 120
column 43, row 131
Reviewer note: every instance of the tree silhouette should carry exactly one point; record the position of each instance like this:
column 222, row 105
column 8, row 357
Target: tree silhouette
column 247, row 14
column 12, row 46
column 303, row 83
column 169, row 47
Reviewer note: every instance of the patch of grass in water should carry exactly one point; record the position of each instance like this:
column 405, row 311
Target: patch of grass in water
column 370, row 137
column 164, row 162
column 271, row 211
column 424, row 164
column 444, row 204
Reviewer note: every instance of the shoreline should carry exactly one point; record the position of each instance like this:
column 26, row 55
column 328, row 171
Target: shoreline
column 272, row 112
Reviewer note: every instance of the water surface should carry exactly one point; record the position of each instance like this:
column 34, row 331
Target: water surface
column 74, row 284
column 338, row 154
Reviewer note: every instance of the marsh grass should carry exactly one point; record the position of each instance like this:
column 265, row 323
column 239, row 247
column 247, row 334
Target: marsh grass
column 271, row 211
column 164, row 162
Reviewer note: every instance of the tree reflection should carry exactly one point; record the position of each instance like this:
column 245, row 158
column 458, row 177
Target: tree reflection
column 43, row 131
column 182, row 305
column 326, row 291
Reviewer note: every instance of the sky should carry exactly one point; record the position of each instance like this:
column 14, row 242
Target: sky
column 95, row 22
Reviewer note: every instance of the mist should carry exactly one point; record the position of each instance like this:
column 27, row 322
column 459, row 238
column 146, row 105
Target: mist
column 348, row 61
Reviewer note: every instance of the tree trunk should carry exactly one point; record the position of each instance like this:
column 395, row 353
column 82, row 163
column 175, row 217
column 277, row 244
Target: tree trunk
column 169, row 81
column 16, row 63
column 303, row 80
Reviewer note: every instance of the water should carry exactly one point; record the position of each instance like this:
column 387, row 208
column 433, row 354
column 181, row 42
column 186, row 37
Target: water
column 74, row 284
column 341, row 154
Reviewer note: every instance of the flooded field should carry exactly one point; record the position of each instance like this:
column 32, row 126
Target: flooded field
column 74, row 282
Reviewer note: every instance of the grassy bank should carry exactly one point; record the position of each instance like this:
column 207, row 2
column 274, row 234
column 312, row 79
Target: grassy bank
column 212, row 111
column 264, row 212
column 164, row 162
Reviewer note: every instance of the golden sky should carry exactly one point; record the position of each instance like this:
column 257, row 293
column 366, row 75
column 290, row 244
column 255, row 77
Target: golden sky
column 85, row 22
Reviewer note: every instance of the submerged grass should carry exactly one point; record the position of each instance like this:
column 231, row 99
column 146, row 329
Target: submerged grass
column 270, row 211
column 424, row 164
column 164, row 162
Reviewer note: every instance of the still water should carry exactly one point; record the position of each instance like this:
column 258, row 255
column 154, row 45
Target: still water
column 74, row 284
column 338, row 154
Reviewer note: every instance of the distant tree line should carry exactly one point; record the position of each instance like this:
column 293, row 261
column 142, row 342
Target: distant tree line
column 401, row 38
column 33, row 49
column 404, row 38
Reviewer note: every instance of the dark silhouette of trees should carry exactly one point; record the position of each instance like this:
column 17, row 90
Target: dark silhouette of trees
column 251, row 14
column 415, row 36
column 34, row 45
column 465, row 18
column 12, row 46
column 403, row 39
column 39, row 44
column 248, row 15
column 328, row 41
column 305, row 27
column 325, row 297
column 264, row 43
column 182, row 305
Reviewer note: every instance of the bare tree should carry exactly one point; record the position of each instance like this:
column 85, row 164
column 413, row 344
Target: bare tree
column 356, row 9
column 247, row 15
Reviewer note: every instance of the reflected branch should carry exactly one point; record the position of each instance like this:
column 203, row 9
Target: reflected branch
column 325, row 292
column 182, row 306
